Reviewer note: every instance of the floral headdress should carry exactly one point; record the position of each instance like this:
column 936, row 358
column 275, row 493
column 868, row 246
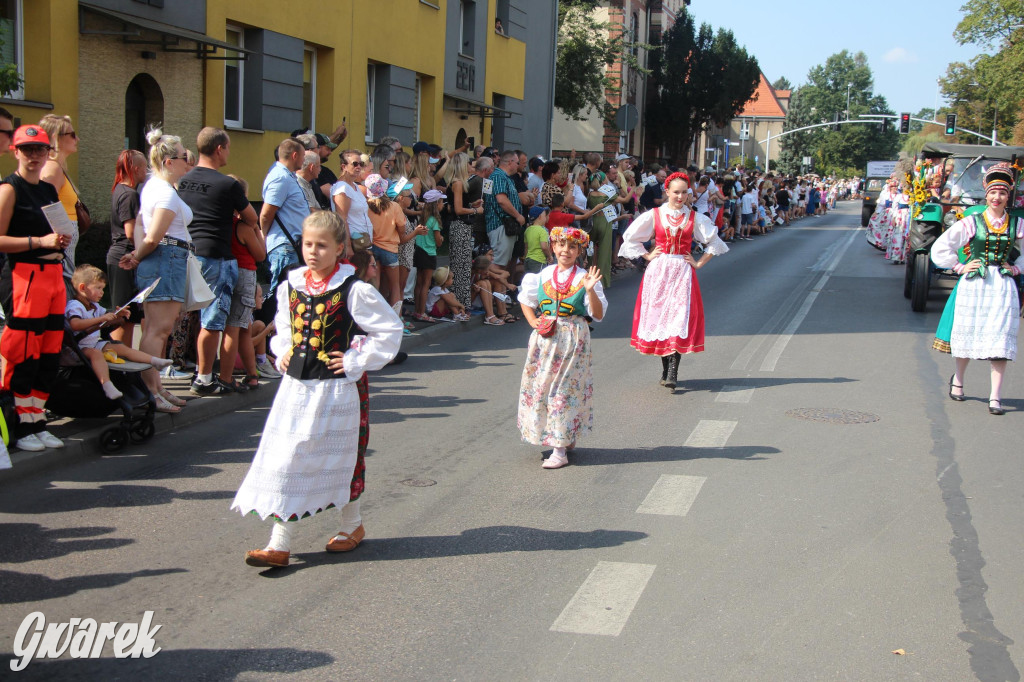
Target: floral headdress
column 573, row 235
column 999, row 176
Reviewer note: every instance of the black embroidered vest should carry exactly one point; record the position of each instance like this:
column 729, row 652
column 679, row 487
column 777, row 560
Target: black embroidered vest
column 320, row 324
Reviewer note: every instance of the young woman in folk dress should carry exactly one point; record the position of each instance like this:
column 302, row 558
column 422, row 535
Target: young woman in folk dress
column 557, row 386
column 878, row 225
column 896, row 250
column 669, row 317
column 982, row 314
column 332, row 329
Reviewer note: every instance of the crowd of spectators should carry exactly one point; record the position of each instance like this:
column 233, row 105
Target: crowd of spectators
column 443, row 234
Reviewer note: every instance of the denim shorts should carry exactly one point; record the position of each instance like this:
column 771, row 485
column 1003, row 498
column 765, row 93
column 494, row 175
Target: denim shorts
column 170, row 264
column 385, row 258
column 221, row 275
column 243, row 300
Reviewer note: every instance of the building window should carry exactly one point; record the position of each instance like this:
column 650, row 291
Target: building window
column 309, row 88
column 234, row 76
column 11, row 34
column 371, row 84
column 745, row 130
column 501, row 15
column 416, row 108
column 467, row 28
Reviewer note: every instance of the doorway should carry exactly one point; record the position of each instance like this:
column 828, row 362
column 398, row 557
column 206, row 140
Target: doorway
column 143, row 107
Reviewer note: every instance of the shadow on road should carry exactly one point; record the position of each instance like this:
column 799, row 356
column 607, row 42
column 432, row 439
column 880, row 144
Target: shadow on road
column 584, row 456
column 486, row 540
column 182, row 664
column 51, row 500
column 33, row 542
column 19, row 588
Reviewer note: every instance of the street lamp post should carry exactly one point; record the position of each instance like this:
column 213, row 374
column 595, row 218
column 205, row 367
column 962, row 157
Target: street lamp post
column 848, row 86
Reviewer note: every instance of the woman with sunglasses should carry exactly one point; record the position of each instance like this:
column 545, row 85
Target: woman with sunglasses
column 63, row 143
column 32, row 288
column 351, row 204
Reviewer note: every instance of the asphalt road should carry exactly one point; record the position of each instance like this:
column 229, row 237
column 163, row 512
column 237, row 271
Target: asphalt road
column 809, row 503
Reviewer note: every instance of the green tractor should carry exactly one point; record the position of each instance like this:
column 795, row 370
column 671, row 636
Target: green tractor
column 961, row 169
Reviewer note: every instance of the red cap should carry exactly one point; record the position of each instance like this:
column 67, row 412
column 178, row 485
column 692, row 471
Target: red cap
column 30, row 134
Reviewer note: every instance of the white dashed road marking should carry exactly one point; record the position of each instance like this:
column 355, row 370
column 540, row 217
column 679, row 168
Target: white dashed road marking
column 735, row 394
column 710, row 433
column 672, row 495
column 605, row 600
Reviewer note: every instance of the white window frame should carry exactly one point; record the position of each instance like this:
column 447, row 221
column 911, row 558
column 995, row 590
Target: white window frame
column 371, row 87
column 19, row 52
column 745, row 129
column 241, row 80
column 311, row 123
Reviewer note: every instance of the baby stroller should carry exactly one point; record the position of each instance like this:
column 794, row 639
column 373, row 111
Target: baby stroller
column 77, row 393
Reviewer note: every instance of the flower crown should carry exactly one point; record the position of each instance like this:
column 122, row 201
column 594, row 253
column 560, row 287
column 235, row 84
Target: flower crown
column 570, row 234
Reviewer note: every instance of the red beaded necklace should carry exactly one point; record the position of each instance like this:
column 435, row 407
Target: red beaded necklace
column 563, row 287
column 675, row 221
column 317, row 287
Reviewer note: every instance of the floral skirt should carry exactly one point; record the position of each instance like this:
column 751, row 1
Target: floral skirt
column 558, row 386
column 308, row 459
column 898, row 243
column 878, row 228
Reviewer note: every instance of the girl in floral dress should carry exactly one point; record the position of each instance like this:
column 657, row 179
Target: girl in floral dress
column 669, row 317
column 896, row 251
column 558, row 383
column 332, row 329
column 878, row 225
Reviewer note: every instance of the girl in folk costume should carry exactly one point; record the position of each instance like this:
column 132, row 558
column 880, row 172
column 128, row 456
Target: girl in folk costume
column 557, row 386
column 982, row 316
column 896, row 250
column 878, row 225
column 332, row 329
column 669, row 315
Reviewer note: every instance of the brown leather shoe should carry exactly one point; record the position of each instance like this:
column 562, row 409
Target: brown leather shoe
column 346, row 542
column 267, row 557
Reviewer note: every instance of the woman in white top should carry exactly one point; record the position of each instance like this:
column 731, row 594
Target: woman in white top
column 350, row 203
column 162, row 245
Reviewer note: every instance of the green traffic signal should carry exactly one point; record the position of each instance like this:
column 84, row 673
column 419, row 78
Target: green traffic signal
column 951, row 124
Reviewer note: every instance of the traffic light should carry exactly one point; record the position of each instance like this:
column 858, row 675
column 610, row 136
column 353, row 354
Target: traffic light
column 951, row 124
column 904, row 123
column 885, row 125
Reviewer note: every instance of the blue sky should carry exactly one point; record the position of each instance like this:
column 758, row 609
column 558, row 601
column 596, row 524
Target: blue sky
column 908, row 50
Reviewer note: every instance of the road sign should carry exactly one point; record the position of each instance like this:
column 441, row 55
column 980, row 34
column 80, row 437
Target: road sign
column 627, row 117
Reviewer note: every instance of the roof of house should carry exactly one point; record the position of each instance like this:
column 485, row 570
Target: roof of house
column 765, row 102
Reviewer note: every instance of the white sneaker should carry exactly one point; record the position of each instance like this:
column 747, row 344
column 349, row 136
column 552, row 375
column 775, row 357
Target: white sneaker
column 267, row 370
column 49, row 440
column 30, row 443
column 172, row 373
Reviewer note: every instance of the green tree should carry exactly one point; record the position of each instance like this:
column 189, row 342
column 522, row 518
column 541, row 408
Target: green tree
column 701, row 77
column 782, row 83
column 586, row 49
column 843, row 80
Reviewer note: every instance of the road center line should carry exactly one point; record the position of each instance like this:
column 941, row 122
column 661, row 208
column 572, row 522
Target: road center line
column 735, row 394
column 710, row 433
column 605, row 600
column 772, row 358
column 672, row 495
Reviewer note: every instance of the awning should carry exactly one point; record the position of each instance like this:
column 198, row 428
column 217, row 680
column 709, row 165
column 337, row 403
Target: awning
column 170, row 36
column 469, row 107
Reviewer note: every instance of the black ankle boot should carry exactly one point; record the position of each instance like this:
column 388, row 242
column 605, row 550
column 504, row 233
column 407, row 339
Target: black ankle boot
column 673, row 370
column 664, row 369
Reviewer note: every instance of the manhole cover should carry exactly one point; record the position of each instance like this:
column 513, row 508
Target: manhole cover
column 832, row 415
column 418, row 482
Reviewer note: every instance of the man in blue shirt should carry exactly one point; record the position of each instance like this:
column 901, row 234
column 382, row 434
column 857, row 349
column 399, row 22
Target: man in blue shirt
column 284, row 208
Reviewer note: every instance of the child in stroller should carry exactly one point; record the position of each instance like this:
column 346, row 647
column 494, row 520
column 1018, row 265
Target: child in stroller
column 86, row 316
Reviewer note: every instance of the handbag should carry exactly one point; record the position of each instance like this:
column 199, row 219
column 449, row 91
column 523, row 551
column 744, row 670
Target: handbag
column 361, row 242
column 546, row 326
column 198, row 294
column 81, row 210
column 512, row 228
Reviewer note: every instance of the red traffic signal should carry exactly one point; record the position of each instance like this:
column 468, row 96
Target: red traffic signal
column 904, row 124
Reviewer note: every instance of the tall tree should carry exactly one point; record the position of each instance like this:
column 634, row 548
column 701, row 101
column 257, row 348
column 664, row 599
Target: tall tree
column 586, row 49
column 844, row 80
column 782, row 83
column 701, row 77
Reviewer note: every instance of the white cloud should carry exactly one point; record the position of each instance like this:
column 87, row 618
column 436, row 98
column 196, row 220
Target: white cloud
column 900, row 55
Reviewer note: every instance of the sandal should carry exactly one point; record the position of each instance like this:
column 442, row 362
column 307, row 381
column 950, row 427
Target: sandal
column 163, row 405
column 252, row 381
column 509, row 318
column 494, row 321
column 424, row 318
column 171, row 398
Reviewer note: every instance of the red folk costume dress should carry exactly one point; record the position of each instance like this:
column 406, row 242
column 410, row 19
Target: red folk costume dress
column 669, row 314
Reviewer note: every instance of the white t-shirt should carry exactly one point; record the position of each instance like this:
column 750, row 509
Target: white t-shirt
column 701, row 203
column 158, row 193
column 747, row 203
column 579, row 198
column 434, row 295
column 358, row 210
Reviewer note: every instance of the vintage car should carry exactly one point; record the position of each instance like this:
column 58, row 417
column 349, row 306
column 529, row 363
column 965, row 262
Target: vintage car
column 958, row 169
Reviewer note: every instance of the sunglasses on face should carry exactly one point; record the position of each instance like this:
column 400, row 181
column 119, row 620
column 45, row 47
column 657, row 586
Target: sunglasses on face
column 73, row 135
column 34, row 150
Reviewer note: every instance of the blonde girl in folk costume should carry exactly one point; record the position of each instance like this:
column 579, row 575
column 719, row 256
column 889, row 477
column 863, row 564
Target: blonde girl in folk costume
column 332, row 328
column 668, row 320
column 558, row 384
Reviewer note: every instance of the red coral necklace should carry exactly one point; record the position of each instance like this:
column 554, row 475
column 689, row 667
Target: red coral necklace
column 317, row 287
column 563, row 287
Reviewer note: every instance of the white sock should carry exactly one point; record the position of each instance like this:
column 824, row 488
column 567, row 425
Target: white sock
column 558, row 453
column 281, row 537
column 111, row 390
column 205, row 378
column 160, row 363
column 350, row 517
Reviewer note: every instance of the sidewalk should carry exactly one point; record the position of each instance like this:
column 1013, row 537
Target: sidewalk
column 81, row 436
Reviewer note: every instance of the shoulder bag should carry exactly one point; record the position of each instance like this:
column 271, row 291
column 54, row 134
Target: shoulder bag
column 81, row 210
